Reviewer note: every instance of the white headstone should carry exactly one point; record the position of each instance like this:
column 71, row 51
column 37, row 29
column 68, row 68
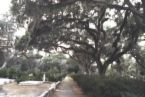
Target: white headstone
column 44, row 77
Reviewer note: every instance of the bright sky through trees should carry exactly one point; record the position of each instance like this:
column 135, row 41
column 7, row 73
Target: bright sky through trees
column 4, row 6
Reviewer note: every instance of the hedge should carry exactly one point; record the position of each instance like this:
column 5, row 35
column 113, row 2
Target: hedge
column 96, row 86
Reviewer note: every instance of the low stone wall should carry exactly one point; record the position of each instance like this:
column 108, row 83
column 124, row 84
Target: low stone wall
column 50, row 91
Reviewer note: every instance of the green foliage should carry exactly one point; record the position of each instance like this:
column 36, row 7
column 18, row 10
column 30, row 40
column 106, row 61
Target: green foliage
column 54, row 74
column 12, row 73
column 2, row 58
column 96, row 86
column 23, row 68
column 54, row 25
column 22, row 77
column 73, row 66
column 51, row 76
column 74, row 69
column 33, row 75
column 53, row 66
column 20, row 44
column 3, row 73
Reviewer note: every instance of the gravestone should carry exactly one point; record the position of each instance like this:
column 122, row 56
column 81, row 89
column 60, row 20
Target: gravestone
column 44, row 77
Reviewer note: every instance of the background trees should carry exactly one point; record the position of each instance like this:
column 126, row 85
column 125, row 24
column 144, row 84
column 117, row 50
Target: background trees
column 83, row 26
column 54, row 62
column 7, row 29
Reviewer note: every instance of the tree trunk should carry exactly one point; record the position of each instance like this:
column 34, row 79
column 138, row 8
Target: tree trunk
column 2, row 57
column 102, row 70
column 87, row 68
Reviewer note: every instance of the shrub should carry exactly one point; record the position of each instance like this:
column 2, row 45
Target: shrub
column 9, row 73
column 54, row 76
column 36, row 75
column 12, row 73
column 96, row 86
column 3, row 73
column 51, row 75
column 73, row 69
column 22, row 77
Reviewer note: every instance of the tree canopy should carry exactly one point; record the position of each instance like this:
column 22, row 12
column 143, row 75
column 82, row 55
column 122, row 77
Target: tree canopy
column 105, row 29
column 7, row 28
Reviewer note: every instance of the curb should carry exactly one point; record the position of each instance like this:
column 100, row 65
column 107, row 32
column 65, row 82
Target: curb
column 51, row 90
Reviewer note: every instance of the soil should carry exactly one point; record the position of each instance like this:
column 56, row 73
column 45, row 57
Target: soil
column 15, row 90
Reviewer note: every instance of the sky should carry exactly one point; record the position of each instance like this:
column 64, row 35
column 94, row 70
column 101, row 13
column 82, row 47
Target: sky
column 5, row 8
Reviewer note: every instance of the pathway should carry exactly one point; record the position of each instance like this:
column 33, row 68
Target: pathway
column 68, row 88
column 15, row 90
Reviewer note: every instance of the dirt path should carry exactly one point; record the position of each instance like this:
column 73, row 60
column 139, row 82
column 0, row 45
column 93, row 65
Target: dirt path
column 14, row 90
column 68, row 88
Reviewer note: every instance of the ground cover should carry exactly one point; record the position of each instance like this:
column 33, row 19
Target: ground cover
column 95, row 86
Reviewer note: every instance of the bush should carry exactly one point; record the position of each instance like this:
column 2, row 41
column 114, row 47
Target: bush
column 51, row 75
column 12, row 73
column 22, row 77
column 54, row 76
column 3, row 73
column 73, row 69
column 96, row 86
column 30, row 75
column 9, row 73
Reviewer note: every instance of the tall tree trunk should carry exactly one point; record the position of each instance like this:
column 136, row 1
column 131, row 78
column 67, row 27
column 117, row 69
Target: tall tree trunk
column 102, row 69
column 2, row 57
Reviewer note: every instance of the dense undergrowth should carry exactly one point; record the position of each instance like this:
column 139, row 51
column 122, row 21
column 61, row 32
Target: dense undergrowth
column 30, row 75
column 96, row 86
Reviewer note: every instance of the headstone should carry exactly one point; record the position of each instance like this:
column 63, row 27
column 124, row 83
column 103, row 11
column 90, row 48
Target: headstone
column 44, row 77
